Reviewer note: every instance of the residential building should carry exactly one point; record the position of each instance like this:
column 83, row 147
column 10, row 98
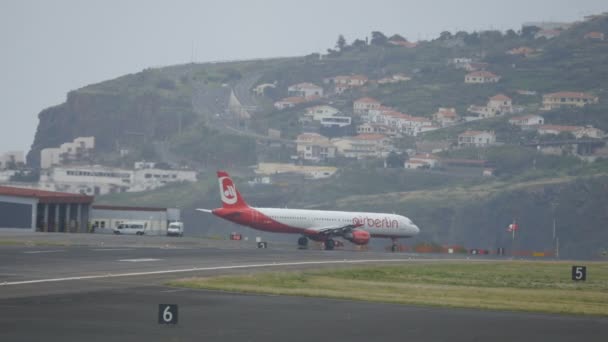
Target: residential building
column 400, row 41
column 567, row 98
column 578, row 132
column 415, row 125
column 527, row 120
column 501, row 104
column 475, row 66
column 77, row 150
column 394, row 79
column 12, row 160
column 590, row 132
column 557, row 129
column 476, row 139
column 289, row 102
column 481, row 77
column 547, row 33
column 343, row 83
column 314, row 147
column 260, row 89
column 422, row 160
column 374, row 128
column 309, row 171
column 363, row 146
column 497, row 105
column 446, row 116
column 336, row 121
column 460, row 62
column 316, row 113
column 594, row 36
column 305, row 90
column 363, row 105
column 521, row 51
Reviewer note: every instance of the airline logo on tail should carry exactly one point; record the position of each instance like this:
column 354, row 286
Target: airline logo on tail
column 227, row 191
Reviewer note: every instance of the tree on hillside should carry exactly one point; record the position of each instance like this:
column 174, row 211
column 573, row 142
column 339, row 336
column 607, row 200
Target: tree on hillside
column 461, row 35
column 472, row 39
column 378, row 38
column 358, row 43
column 529, row 32
column 395, row 160
column 341, row 43
column 445, row 35
column 491, row 36
column 510, row 34
column 397, row 38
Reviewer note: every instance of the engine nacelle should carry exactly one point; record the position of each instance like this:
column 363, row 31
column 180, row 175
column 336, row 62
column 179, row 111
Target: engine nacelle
column 358, row 236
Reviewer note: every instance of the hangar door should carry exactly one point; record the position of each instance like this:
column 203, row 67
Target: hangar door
column 15, row 215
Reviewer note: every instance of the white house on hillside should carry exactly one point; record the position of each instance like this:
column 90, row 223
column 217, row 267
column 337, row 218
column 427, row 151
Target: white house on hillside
column 305, row 90
column 314, row 147
column 363, row 105
column 481, row 77
column 476, row 139
column 77, row 150
column 527, row 120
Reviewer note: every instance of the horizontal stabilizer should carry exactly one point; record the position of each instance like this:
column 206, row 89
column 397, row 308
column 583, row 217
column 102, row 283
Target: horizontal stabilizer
column 205, row 210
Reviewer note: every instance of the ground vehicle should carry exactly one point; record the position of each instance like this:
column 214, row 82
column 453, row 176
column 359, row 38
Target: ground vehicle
column 131, row 227
column 175, row 229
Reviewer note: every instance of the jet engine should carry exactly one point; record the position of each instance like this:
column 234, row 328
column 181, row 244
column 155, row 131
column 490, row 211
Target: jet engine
column 358, row 236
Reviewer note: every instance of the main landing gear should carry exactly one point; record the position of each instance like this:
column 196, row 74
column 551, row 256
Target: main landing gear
column 303, row 242
column 330, row 244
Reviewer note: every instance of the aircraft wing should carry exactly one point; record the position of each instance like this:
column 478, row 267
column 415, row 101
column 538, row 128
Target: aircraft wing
column 333, row 230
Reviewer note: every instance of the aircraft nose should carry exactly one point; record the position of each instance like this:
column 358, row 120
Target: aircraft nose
column 416, row 229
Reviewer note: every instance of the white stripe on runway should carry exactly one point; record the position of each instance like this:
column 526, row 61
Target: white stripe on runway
column 198, row 269
column 111, row 249
column 50, row 251
column 139, row 260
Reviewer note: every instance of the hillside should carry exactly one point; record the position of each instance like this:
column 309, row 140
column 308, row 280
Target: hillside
column 206, row 116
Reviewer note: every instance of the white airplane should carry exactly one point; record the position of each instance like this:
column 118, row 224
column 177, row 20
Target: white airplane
column 318, row 225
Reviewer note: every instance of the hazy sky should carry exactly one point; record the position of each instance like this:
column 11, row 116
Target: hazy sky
column 52, row 47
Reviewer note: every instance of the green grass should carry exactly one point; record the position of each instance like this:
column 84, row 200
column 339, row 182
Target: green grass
column 518, row 286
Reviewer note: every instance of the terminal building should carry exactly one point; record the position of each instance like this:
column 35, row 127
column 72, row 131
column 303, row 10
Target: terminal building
column 44, row 211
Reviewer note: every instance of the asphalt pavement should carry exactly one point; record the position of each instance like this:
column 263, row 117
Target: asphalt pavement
column 111, row 292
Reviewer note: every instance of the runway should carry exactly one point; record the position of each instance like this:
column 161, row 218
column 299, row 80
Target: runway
column 111, row 293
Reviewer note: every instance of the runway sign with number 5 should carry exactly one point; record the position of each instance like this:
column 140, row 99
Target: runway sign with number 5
column 167, row 313
column 579, row 273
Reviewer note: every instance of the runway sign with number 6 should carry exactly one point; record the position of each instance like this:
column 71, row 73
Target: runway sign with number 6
column 167, row 313
column 579, row 273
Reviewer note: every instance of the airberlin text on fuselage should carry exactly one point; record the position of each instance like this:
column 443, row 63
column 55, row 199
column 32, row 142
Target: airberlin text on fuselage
column 376, row 223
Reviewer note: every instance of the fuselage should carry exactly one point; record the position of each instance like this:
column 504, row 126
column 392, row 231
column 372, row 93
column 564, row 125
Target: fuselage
column 307, row 222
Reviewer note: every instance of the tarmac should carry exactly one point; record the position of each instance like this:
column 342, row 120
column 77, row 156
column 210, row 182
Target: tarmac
column 111, row 291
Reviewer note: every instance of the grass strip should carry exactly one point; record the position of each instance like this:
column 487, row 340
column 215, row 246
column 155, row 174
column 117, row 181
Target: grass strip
column 513, row 285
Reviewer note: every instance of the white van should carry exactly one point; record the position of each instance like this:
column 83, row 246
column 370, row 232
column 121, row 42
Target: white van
column 132, row 227
column 175, row 229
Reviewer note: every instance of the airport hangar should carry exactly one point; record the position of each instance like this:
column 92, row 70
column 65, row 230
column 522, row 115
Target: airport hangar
column 49, row 211
column 44, row 211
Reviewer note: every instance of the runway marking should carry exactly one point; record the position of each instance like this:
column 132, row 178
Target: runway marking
column 215, row 268
column 111, row 249
column 49, row 251
column 140, row 260
column 174, row 290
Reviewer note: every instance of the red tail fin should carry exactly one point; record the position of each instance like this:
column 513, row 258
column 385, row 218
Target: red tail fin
column 231, row 198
